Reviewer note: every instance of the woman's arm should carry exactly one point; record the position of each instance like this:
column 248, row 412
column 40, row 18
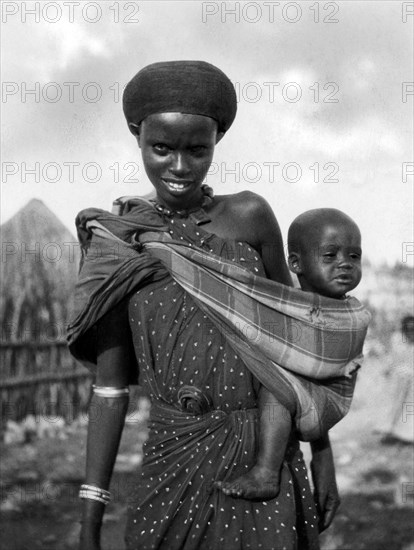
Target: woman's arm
column 106, row 416
column 267, row 239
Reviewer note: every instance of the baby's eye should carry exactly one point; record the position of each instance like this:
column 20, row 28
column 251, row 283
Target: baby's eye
column 328, row 257
column 355, row 256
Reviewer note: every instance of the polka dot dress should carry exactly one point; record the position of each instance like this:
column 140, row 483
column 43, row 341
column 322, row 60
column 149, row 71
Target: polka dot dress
column 204, row 427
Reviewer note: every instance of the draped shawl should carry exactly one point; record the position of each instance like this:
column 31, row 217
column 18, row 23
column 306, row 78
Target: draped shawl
column 305, row 348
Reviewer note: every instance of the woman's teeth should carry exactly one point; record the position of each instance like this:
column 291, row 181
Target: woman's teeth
column 177, row 186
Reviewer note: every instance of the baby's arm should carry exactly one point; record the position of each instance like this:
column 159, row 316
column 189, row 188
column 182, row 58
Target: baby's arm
column 262, row 482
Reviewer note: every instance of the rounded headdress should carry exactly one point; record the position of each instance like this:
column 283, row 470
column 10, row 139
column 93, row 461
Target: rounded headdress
column 191, row 87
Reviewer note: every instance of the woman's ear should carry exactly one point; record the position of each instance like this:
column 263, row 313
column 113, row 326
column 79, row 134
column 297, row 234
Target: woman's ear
column 295, row 263
column 135, row 130
column 219, row 136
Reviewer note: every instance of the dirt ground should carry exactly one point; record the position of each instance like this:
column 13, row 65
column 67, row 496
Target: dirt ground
column 40, row 481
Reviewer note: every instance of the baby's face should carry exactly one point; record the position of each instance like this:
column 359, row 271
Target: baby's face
column 330, row 263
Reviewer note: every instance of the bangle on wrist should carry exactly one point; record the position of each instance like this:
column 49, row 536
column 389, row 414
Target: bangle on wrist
column 90, row 492
column 109, row 391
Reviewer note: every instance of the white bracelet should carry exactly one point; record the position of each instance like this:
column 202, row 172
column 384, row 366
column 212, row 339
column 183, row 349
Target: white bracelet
column 108, row 391
column 92, row 496
column 96, row 489
column 91, row 492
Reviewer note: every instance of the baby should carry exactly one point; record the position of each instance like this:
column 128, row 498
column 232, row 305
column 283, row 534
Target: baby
column 325, row 254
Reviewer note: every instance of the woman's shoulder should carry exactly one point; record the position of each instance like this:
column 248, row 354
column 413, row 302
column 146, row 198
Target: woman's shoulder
column 249, row 216
column 245, row 204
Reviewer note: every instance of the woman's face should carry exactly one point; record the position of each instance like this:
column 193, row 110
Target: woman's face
column 177, row 150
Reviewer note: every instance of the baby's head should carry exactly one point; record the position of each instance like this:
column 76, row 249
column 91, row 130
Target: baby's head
column 325, row 252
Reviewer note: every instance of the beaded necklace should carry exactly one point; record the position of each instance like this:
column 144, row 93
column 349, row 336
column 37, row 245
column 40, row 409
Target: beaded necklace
column 197, row 214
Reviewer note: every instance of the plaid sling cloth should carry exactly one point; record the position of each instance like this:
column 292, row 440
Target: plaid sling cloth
column 303, row 347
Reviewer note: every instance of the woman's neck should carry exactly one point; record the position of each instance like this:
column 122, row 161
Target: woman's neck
column 205, row 199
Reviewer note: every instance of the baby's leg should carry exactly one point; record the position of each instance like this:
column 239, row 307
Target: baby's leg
column 262, row 482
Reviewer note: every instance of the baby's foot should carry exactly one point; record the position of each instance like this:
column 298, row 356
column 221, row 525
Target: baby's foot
column 258, row 484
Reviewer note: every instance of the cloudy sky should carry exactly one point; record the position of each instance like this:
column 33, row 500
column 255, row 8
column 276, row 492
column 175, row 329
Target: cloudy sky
column 324, row 116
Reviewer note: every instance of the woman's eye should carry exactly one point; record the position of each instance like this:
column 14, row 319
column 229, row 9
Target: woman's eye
column 198, row 149
column 161, row 148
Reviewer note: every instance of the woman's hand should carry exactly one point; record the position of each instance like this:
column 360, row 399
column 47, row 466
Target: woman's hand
column 323, row 475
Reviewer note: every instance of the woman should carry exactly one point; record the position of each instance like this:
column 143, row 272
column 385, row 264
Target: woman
column 203, row 424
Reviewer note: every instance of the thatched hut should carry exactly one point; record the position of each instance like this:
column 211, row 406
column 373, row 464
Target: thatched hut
column 40, row 259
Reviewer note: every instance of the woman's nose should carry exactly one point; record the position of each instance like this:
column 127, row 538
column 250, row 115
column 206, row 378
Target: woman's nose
column 179, row 164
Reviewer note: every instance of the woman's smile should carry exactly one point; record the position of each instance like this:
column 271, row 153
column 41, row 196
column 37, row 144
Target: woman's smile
column 176, row 185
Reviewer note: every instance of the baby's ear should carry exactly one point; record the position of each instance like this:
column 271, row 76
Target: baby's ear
column 294, row 263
